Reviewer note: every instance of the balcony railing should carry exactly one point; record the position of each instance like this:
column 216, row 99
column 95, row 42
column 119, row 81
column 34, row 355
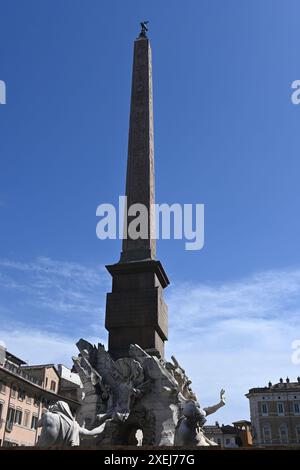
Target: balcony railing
column 22, row 373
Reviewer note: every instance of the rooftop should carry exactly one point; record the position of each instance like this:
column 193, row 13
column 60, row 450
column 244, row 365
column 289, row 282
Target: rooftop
column 17, row 366
column 228, row 429
column 224, row 428
column 280, row 386
column 16, row 360
column 14, row 370
column 21, row 372
column 212, row 429
column 241, row 422
column 68, row 376
column 38, row 366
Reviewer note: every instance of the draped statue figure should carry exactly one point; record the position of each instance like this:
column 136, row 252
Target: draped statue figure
column 59, row 427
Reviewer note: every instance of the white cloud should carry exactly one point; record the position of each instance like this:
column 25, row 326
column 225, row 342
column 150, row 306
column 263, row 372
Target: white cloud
column 257, row 296
column 40, row 347
column 54, row 289
column 62, row 269
column 235, row 335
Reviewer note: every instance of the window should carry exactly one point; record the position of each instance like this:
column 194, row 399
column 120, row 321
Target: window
column 28, row 400
column 2, row 386
column 9, row 444
column 53, row 385
column 10, row 417
column 280, row 408
column 298, row 433
column 1, row 410
column 227, row 441
column 46, row 382
column 18, row 416
column 267, row 436
column 26, row 418
column 283, row 433
column 34, row 421
column 264, row 409
column 296, row 408
column 219, row 442
column 36, row 400
column 13, row 391
column 21, row 394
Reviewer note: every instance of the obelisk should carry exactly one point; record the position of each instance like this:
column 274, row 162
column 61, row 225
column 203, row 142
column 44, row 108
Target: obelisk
column 135, row 310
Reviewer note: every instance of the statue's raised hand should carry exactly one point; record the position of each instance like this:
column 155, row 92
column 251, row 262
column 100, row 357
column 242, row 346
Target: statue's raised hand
column 222, row 396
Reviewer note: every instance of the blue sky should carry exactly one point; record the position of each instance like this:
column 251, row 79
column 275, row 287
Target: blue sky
column 226, row 135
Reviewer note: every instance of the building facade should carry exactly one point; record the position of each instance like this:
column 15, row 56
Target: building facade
column 25, row 394
column 229, row 436
column 275, row 413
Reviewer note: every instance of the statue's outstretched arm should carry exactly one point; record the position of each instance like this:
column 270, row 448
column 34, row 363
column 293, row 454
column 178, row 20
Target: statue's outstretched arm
column 212, row 409
column 92, row 432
